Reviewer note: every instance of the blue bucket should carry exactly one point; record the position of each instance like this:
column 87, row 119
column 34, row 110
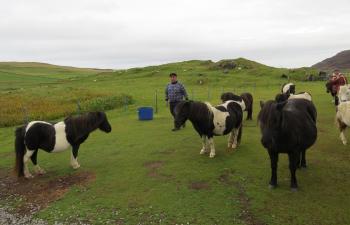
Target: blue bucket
column 145, row 113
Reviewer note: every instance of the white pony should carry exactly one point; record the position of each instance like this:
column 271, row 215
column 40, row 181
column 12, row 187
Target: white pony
column 344, row 93
column 343, row 119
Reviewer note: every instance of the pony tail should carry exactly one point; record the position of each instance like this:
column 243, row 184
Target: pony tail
column 20, row 150
column 240, row 130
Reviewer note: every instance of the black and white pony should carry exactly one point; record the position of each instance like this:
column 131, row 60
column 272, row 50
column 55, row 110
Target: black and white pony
column 247, row 99
column 209, row 121
column 301, row 95
column 71, row 132
column 288, row 127
column 288, row 88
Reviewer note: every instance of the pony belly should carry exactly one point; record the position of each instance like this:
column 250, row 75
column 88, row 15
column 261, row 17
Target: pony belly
column 61, row 143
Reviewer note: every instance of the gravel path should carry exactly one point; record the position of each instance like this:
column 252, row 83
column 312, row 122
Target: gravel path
column 7, row 218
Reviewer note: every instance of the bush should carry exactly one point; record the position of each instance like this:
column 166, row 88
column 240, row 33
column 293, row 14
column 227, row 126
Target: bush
column 106, row 103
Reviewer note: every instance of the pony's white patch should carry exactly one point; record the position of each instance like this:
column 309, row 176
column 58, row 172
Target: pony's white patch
column 305, row 95
column 26, row 158
column 343, row 113
column 344, row 93
column 74, row 162
column 286, row 87
column 212, row 147
column 219, row 119
column 343, row 138
column 61, row 143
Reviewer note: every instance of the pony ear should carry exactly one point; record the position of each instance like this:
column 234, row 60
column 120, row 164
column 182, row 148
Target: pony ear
column 280, row 105
column 262, row 104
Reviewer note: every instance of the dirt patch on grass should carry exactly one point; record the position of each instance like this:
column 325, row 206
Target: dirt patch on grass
column 199, row 185
column 246, row 214
column 154, row 167
column 39, row 192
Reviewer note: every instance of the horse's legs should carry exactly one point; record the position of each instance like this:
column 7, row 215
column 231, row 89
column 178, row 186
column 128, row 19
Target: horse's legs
column 303, row 159
column 212, row 147
column 38, row 170
column 205, row 145
column 74, row 157
column 231, row 137
column 26, row 158
column 274, row 161
column 342, row 127
column 293, row 161
column 249, row 113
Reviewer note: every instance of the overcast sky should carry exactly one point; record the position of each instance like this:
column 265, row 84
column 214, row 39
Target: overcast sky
column 129, row 33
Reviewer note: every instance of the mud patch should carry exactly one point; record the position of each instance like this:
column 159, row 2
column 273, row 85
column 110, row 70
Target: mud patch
column 154, row 167
column 199, row 185
column 39, row 192
column 246, row 214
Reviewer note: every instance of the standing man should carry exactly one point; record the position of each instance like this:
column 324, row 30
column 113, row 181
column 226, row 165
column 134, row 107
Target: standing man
column 175, row 92
column 337, row 79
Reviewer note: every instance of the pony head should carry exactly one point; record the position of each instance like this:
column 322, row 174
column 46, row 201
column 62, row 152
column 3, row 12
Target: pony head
column 182, row 111
column 103, row 123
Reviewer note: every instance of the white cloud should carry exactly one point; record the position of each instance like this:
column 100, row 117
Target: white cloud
column 124, row 33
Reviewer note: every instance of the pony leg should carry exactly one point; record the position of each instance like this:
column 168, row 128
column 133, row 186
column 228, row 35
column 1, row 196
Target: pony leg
column 74, row 158
column 293, row 161
column 205, row 145
column 274, row 161
column 343, row 138
column 237, row 137
column 230, row 139
column 26, row 158
column 212, row 147
column 38, row 170
column 303, row 159
column 342, row 126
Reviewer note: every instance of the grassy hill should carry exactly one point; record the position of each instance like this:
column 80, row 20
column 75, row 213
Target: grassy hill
column 142, row 173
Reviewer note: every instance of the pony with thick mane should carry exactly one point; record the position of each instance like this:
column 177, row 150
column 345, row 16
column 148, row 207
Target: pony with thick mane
column 209, row 121
column 71, row 132
column 288, row 127
column 247, row 99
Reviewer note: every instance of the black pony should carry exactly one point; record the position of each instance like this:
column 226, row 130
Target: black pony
column 288, row 127
column 247, row 99
column 209, row 121
column 71, row 132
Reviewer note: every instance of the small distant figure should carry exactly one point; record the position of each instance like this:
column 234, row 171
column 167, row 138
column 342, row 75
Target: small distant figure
column 335, row 81
column 175, row 93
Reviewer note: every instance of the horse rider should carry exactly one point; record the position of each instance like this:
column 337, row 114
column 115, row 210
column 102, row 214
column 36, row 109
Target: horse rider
column 337, row 79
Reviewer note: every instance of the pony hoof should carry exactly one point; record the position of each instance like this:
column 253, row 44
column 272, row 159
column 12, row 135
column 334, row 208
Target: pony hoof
column 271, row 187
column 212, row 155
column 294, row 189
column 203, row 151
column 28, row 176
column 41, row 172
column 234, row 146
column 345, row 143
column 76, row 166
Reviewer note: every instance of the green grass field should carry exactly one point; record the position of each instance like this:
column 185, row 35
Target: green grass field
column 146, row 174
